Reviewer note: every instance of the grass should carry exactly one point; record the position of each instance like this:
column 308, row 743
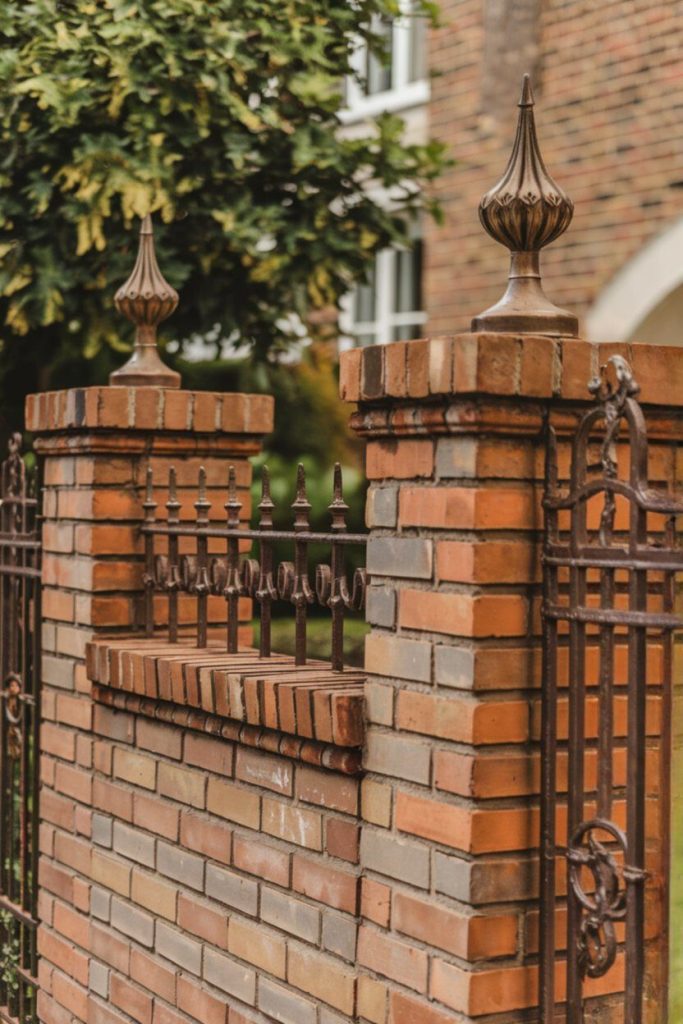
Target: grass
column 318, row 633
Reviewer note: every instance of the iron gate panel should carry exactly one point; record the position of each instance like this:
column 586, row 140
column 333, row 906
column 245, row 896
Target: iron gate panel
column 608, row 607
column 20, row 643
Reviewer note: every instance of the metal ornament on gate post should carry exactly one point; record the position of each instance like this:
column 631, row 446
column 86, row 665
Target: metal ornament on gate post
column 146, row 298
column 525, row 211
column 610, row 586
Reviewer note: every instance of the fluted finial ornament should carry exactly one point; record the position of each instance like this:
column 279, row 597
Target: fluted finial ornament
column 525, row 211
column 146, row 298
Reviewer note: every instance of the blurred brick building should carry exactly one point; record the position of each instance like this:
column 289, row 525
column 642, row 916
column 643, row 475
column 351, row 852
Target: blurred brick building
column 608, row 81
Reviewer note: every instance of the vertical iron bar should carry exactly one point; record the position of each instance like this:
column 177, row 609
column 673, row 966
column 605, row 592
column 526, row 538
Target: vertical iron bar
column 149, row 505
column 36, row 692
column 548, row 754
column 301, row 592
column 173, row 575
column 576, row 740
column 233, row 508
column 265, row 591
column 201, row 586
column 665, row 762
column 606, row 700
column 4, row 729
column 635, row 784
column 337, row 509
column 25, row 768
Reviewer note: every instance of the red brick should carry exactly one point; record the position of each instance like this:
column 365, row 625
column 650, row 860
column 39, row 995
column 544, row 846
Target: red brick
column 257, row 857
column 130, row 999
column 200, row 1004
column 399, row 459
column 392, row 958
column 327, row 884
column 202, row 919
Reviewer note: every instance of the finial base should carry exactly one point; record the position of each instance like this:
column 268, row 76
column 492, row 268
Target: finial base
column 145, row 369
column 525, row 308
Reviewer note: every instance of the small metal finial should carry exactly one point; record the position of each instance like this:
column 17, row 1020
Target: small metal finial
column 338, row 507
column 172, row 504
column 266, row 505
column 233, row 505
column 301, row 505
column 146, row 298
column 202, row 504
column 525, row 211
column 149, row 504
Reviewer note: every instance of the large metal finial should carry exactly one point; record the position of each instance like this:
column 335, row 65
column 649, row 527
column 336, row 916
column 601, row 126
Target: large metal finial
column 146, row 298
column 525, row 211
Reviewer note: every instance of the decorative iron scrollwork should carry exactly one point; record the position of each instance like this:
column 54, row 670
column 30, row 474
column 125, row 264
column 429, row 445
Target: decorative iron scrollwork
column 336, row 586
column 612, row 397
column 13, row 697
column 606, row 903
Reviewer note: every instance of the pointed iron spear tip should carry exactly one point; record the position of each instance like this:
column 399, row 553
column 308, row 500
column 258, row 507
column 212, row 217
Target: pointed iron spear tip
column 525, row 211
column 527, row 97
column 300, row 481
column 337, row 480
column 146, row 298
column 265, row 483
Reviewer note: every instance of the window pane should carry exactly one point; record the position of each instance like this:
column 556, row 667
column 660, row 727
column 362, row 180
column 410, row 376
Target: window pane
column 417, row 67
column 407, row 332
column 365, row 299
column 408, row 279
column 366, row 339
column 378, row 72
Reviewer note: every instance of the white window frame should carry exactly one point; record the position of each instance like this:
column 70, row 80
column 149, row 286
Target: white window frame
column 402, row 94
column 386, row 320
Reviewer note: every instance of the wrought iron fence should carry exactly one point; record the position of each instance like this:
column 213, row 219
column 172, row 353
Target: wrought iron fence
column 20, row 642
column 232, row 575
column 609, row 587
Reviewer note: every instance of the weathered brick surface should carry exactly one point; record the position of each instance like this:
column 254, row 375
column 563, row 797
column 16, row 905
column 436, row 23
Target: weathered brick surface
column 449, row 800
column 187, row 874
column 210, row 849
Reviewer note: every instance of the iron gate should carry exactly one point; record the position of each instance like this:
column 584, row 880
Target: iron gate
column 20, row 555
column 610, row 562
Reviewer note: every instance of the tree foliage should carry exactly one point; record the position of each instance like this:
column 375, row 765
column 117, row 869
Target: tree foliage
column 220, row 116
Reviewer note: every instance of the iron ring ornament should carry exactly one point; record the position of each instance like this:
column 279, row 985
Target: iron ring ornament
column 14, row 700
column 605, row 903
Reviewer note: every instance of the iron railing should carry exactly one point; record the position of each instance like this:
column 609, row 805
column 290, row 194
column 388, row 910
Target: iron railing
column 609, row 586
column 20, row 642
column 234, row 576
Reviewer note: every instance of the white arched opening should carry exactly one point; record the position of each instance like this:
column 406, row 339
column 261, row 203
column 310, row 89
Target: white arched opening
column 644, row 302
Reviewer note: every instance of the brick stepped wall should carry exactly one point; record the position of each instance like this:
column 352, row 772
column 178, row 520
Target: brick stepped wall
column 225, row 840
column 221, row 874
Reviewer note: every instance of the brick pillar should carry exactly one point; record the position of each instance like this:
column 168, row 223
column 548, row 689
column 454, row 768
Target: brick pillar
column 96, row 444
column 449, row 847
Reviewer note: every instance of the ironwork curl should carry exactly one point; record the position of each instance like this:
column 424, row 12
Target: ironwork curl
column 14, row 712
column 606, row 904
column 234, row 576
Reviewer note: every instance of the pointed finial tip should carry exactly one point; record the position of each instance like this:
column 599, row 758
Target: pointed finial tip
column 527, row 97
column 146, row 225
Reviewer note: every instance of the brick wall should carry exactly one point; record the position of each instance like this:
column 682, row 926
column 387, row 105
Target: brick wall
column 449, row 801
column 608, row 84
column 229, row 841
